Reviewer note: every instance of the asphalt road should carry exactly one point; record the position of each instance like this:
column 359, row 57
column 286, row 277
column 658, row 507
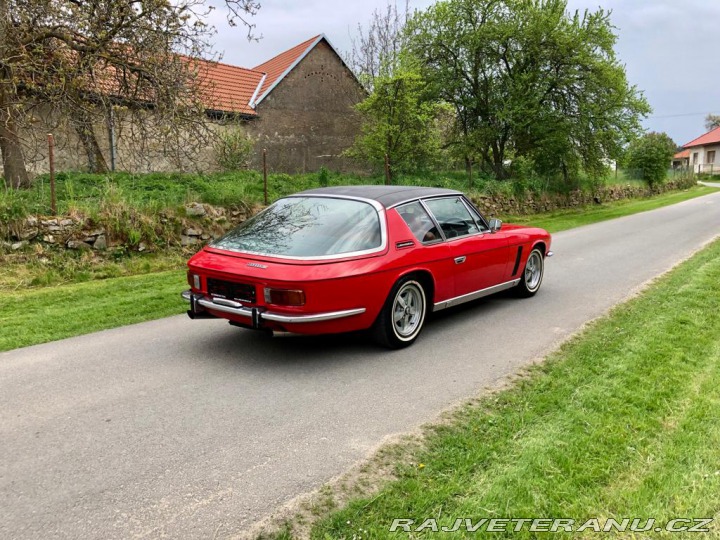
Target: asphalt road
column 181, row 429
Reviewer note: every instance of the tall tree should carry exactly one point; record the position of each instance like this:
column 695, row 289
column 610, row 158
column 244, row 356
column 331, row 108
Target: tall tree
column 79, row 59
column 526, row 78
column 400, row 122
column 376, row 49
column 712, row 121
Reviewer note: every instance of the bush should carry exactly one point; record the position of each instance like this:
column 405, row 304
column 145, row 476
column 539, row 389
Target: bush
column 233, row 150
column 650, row 156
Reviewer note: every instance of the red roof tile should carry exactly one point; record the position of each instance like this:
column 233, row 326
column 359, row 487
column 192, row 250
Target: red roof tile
column 228, row 88
column 235, row 89
column 682, row 155
column 711, row 137
column 277, row 67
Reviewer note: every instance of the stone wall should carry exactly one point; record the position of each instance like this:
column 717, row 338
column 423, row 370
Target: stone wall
column 133, row 231
column 501, row 205
column 197, row 223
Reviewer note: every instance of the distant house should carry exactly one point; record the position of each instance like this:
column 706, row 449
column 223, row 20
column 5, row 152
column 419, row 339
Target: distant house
column 704, row 152
column 681, row 160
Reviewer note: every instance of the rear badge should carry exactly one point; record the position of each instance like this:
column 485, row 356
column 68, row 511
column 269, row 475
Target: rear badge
column 258, row 265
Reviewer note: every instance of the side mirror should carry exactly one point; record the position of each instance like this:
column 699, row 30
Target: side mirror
column 495, row 225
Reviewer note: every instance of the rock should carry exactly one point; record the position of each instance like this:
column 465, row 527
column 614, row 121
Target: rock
column 142, row 247
column 31, row 221
column 19, row 245
column 29, row 234
column 100, row 243
column 49, row 239
column 77, row 244
column 66, row 223
column 205, row 237
column 54, row 228
column 192, row 232
column 48, row 222
column 188, row 240
column 195, row 210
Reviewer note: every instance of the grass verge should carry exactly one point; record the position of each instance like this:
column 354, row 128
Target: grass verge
column 82, row 305
column 51, row 313
column 620, row 423
column 577, row 217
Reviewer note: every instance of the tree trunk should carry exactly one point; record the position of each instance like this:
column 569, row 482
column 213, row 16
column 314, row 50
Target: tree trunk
column 82, row 122
column 12, row 155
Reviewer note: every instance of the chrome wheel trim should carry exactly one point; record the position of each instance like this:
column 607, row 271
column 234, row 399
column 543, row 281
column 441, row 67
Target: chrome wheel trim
column 533, row 271
column 408, row 311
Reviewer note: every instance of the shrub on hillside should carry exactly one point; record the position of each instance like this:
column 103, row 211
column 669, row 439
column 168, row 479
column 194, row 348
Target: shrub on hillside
column 233, row 150
column 649, row 157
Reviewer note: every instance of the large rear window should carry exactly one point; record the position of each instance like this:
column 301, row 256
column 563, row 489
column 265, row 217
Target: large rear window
column 308, row 227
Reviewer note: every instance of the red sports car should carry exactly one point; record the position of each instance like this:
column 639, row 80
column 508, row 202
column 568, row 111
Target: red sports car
column 343, row 259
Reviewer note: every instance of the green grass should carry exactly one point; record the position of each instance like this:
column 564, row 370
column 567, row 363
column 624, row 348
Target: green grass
column 621, row 422
column 51, row 313
column 577, row 217
column 38, row 267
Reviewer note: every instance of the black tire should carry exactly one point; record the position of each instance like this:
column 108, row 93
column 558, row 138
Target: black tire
column 403, row 315
column 532, row 275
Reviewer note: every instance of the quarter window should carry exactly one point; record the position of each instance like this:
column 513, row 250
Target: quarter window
column 453, row 217
column 419, row 222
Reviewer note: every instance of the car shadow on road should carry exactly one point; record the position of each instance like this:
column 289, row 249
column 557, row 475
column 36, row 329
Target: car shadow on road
column 250, row 348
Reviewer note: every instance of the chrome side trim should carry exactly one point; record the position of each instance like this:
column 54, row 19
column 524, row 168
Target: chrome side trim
column 475, row 295
column 270, row 316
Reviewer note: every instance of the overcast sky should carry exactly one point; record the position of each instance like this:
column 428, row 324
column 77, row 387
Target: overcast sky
column 670, row 47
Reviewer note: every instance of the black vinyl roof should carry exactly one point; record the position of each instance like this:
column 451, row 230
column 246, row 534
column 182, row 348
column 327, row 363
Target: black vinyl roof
column 386, row 195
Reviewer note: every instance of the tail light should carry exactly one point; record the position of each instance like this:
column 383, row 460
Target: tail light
column 194, row 280
column 284, row 297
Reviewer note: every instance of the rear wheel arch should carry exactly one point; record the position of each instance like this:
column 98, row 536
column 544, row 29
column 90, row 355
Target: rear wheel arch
column 426, row 280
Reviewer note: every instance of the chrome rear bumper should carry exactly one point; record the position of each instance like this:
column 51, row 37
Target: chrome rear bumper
column 200, row 303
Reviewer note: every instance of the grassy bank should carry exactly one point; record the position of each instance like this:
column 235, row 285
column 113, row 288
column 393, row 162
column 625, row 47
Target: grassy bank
column 577, row 217
column 58, row 296
column 51, row 313
column 620, row 423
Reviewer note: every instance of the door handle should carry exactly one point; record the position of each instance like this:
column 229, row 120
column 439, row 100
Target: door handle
column 460, row 260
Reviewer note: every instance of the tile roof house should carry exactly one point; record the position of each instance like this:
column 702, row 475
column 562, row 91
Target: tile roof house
column 704, row 152
column 681, row 160
column 298, row 105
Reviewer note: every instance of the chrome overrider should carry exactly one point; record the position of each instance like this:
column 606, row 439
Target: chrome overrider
column 200, row 303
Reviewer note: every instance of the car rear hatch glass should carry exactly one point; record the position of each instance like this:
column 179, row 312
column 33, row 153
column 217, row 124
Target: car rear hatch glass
column 308, row 227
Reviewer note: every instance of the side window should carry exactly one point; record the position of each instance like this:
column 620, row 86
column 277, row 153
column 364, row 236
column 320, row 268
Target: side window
column 419, row 222
column 453, row 216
